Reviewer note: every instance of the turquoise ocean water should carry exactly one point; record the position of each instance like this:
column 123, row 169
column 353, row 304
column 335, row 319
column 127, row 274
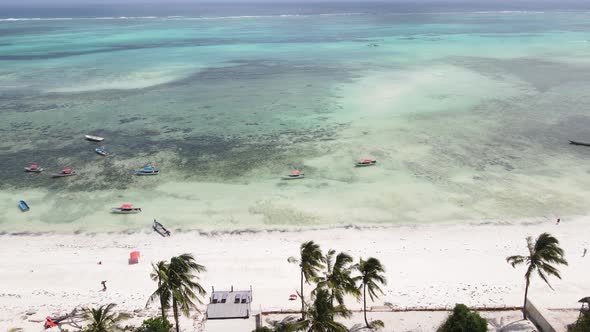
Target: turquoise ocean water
column 467, row 109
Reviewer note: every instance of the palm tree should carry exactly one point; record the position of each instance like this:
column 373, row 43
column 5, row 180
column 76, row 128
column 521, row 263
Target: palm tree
column 283, row 325
column 371, row 276
column 182, row 284
column 102, row 319
column 160, row 274
column 542, row 253
column 321, row 315
column 337, row 278
column 310, row 263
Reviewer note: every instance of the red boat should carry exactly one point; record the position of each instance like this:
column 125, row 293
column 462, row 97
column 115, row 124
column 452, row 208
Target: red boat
column 366, row 162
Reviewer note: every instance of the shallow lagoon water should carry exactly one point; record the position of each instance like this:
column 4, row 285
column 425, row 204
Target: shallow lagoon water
column 468, row 114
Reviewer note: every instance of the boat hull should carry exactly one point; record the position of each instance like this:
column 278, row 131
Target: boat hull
column 62, row 175
column 93, row 138
column 293, row 177
column 125, row 211
column 36, row 170
column 579, row 143
column 143, row 173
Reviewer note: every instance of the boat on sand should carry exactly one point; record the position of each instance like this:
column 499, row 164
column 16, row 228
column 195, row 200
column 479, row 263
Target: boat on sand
column 295, row 174
column 366, row 162
column 94, row 138
column 126, row 209
column 23, row 206
column 65, row 172
column 160, row 229
column 34, row 168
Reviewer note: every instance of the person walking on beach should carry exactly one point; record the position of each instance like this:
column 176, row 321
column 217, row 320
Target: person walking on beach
column 585, row 251
column 558, row 220
column 104, row 285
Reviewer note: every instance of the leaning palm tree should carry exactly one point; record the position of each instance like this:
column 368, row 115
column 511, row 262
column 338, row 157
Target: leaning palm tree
column 182, row 283
column 371, row 276
column 310, row 262
column 320, row 315
column 337, row 278
column 102, row 319
column 542, row 253
column 160, row 275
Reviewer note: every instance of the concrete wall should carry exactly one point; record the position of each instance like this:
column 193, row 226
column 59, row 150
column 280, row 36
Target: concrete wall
column 538, row 317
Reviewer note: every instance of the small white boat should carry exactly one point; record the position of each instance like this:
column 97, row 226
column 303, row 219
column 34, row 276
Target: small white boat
column 33, row 168
column 366, row 162
column 126, row 209
column 94, row 138
column 295, row 174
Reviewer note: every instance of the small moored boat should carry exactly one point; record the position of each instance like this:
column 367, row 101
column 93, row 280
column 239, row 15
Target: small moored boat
column 160, row 229
column 101, row 152
column 366, row 162
column 149, row 170
column 126, row 209
column 65, row 172
column 579, row 143
column 23, row 206
column 94, row 138
column 295, row 174
column 34, row 168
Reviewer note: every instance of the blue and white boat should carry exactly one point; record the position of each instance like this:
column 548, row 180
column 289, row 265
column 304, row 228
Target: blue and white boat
column 23, row 206
column 149, row 170
column 101, row 152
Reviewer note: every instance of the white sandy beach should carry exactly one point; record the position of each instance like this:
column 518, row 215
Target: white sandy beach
column 427, row 266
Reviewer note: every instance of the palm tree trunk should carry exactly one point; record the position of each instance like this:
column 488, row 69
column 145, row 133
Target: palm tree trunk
column 175, row 309
column 162, row 302
column 302, row 299
column 526, row 291
column 365, row 303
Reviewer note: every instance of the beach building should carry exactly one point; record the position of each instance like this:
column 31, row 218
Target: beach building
column 229, row 304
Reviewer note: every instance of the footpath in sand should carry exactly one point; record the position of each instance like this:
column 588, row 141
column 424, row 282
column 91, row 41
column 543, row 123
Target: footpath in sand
column 430, row 266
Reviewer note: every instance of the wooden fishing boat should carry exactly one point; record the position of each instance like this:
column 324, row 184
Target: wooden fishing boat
column 579, row 143
column 126, row 209
column 366, row 162
column 23, row 206
column 101, row 152
column 160, row 229
column 149, row 170
column 94, row 138
column 65, row 172
column 295, row 174
column 33, row 168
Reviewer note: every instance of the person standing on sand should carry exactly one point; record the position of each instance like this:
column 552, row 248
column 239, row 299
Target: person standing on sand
column 585, row 251
column 558, row 220
column 104, row 285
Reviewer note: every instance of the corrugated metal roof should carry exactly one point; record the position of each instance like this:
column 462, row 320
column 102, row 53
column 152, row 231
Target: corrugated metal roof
column 226, row 304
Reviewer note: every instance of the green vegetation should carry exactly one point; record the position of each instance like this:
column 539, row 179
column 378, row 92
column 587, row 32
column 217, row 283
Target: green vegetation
column 582, row 325
column 463, row 320
column 371, row 272
column 177, row 282
column 321, row 313
column 338, row 277
column 310, row 262
column 102, row 319
column 542, row 253
column 156, row 324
